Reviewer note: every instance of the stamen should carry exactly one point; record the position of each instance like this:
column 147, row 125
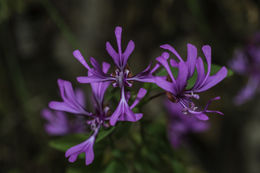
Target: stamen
column 192, row 95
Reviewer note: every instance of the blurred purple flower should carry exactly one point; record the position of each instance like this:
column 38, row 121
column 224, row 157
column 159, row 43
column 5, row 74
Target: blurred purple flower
column 176, row 87
column 180, row 125
column 122, row 77
column 58, row 123
column 247, row 62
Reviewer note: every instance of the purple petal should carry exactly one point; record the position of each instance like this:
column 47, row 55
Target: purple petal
column 202, row 117
column 129, row 115
column 207, row 52
column 191, row 58
column 105, row 67
column 213, row 80
column 86, row 147
column 93, row 79
column 99, row 90
column 201, row 73
column 155, row 68
column 165, row 85
column 114, row 117
column 118, row 34
column 69, row 93
column 111, row 51
column 70, row 101
column 61, row 106
column 96, row 65
column 123, row 112
column 81, row 59
column 165, row 64
column 181, row 81
column 141, row 93
column 165, row 55
column 144, row 76
column 129, row 49
column 80, row 97
column 57, row 122
column 171, row 49
column 47, row 114
column 173, row 63
column 61, row 87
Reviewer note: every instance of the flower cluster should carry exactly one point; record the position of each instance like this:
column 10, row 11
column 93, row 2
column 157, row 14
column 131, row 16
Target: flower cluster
column 100, row 77
column 247, row 62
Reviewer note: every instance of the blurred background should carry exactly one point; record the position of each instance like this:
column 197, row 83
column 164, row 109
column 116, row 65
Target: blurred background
column 37, row 38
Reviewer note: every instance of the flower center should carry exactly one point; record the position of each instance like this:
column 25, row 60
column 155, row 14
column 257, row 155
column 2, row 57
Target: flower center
column 95, row 123
column 186, row 102
column 121, row 78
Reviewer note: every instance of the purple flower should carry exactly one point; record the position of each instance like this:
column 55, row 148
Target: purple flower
column 59, row 124
column 180, row 125
column 73, row 102
column 247, row 62
column 176, row 86
column 122, row 77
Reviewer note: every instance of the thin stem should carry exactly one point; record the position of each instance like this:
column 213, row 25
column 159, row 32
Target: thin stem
column 57, row 19
column 149, row 99
column 155, row 96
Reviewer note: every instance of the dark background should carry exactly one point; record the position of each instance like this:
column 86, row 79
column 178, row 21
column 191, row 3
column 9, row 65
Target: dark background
column 37, row 38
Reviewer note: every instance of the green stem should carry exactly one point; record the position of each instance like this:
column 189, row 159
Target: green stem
column 57, row 19
column 15, row 75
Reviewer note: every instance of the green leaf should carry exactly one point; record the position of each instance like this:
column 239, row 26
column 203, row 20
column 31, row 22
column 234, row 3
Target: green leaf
column 116, row 166
column 215, row 68
column 112, row 167
column 104, row 133
column 178, row 167
column 65, row 142
column 73, row 170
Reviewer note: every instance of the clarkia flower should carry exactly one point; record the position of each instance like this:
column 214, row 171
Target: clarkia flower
column 122, row 77
column 246, row 62
column 175, row 87
column 74, row 104
column 180, row 125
